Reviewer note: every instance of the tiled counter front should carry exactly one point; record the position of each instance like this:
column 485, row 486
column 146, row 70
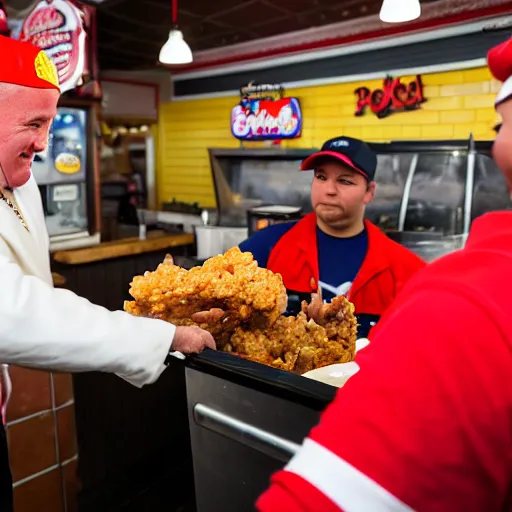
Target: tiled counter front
column 42, row 444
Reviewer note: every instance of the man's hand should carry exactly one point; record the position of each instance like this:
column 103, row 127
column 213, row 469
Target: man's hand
column 192, row 340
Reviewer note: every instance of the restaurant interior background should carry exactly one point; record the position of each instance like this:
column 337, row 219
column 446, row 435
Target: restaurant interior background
column 458, row 103
column 149, row 138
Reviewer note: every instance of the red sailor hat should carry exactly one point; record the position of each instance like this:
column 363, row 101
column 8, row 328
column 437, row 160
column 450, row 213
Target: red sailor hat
column 499, row 60
column 26, row 64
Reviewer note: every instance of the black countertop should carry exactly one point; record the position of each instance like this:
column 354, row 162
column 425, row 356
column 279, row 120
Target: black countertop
column 187, row 262
column 265, row 379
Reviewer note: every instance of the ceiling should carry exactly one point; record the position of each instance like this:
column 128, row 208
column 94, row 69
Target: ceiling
column 131, row 32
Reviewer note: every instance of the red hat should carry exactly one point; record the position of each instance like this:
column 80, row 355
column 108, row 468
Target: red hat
column 499, row 60
column 26, row 64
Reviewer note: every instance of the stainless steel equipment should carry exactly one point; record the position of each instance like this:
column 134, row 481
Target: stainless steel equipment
column 246, row 421
column 428, row 194
column 263, row 216
column 428, row 246
column 246, row 179
column 213, row 240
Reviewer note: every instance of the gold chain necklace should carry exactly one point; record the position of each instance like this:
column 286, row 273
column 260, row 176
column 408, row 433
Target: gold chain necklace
column 14, row 208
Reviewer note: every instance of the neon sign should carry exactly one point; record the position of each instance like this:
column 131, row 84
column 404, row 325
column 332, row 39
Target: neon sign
column 263, row 114
column 393, row 97
column 267, row 119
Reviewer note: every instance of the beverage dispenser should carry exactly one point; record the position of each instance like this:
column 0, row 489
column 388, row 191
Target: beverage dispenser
column 61, row 172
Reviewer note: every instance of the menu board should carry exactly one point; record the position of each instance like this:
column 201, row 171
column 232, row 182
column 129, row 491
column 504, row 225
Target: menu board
column 65, row 158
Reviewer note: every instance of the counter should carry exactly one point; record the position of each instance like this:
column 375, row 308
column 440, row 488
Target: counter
column 246, row 421
column 122, row 248
column 130, row 440
column 58, row 280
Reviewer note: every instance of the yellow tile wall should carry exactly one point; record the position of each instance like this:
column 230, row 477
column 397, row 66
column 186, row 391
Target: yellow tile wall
column 458, row 102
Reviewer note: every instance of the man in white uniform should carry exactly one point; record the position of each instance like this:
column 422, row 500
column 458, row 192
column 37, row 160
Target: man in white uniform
column 40, row 326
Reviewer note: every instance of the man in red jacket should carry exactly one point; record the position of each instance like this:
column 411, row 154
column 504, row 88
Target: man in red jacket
column 426, row 424
column 335, row 248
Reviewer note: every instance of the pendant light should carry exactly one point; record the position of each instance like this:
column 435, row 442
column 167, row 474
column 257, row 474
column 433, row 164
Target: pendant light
column 398, row 11
column 175, row 50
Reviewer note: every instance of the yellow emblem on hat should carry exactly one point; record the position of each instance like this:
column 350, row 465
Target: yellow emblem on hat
column 45, row 69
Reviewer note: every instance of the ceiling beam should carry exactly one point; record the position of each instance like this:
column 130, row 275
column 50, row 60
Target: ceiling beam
column 229, row 10
column 128, row 36
column 114, row 50
column 276, row 5
column 128, row 19
column 338, row 5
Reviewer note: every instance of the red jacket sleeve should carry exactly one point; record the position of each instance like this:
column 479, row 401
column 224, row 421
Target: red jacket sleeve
column 426, row 424
column 408, row 264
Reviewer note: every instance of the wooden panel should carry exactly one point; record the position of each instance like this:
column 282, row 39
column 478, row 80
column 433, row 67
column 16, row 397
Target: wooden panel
column 120, row 248
column 129, row 439
column 58, row 280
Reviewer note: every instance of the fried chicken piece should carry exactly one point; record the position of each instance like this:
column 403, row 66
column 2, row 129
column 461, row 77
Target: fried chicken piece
column 320, row 335
column 232, row 283
column 241, row 305
column 214, row 315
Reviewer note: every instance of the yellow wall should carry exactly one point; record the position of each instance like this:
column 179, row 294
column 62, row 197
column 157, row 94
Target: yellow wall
column 458, row 102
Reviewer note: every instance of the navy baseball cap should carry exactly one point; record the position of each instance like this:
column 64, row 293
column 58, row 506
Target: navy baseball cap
column 354, row 153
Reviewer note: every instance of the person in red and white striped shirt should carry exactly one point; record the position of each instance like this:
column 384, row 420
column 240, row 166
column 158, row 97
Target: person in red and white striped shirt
column 426, row 424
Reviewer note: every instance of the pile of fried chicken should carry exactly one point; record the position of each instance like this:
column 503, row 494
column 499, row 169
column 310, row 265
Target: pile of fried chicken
column 242, row 305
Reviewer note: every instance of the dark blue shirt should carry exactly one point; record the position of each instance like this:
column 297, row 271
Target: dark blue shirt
column 339, row 261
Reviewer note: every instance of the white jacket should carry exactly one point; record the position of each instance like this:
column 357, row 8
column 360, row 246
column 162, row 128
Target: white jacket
column 48, row 328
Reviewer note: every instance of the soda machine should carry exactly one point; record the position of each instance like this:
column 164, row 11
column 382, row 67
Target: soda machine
column 64, row 175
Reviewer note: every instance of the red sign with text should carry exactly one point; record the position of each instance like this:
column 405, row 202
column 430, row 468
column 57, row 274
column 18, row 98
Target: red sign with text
column 393, row 97
column 56, row 27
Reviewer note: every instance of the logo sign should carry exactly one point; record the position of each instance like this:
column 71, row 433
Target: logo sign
column 45, row 68
column 263, row 114
column 393, row 97
column 339, row 144
column 267, row 119
column 56, row 27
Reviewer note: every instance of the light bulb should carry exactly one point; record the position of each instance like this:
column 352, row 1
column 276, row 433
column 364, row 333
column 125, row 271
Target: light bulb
column 398, row 11
column 175, row 50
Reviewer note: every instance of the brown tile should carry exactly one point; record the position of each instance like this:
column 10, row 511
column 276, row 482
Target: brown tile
column 43, row 493
column 66, row 433
column 63, row 388
column 30, row 392
column 71, row 486
column 31, row 445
